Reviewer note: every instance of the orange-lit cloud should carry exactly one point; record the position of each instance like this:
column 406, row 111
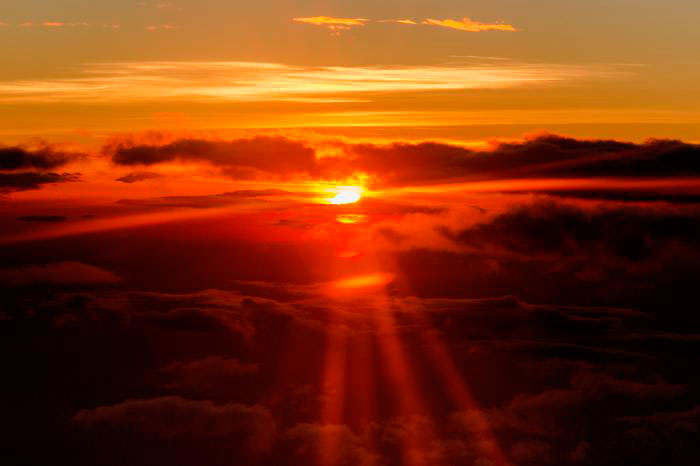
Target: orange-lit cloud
column 334, row 24
column 469, row 25
column 258, row 81
column 161, row 27
column 398, row 21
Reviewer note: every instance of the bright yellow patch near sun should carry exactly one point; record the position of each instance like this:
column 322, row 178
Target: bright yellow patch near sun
column 345, row 195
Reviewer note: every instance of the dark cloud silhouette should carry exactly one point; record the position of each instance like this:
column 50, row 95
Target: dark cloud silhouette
column 21, row 158
column 24, row 181
column 402, row 164
column 565, row 231
column 630, row 195
column 537, row 157
column 138, row 176
column 241, row 158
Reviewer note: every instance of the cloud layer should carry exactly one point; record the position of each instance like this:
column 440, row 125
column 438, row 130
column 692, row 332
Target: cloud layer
column 463, row 315
column 253, row 81
column 620, row 168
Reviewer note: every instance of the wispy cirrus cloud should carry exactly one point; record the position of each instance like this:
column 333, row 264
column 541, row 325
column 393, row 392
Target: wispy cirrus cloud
column 161, row 27
column 398, row 21
column 258, row 81
column 53, row 24
column 465, row 24
column 469, row 25
column 334, row 24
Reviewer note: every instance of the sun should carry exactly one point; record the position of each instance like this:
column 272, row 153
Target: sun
column 345, row 195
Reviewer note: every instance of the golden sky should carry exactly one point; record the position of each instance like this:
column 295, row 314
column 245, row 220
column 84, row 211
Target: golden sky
column 77, row 71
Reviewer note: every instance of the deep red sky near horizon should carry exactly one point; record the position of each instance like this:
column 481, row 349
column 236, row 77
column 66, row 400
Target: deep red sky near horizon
column 409, row 234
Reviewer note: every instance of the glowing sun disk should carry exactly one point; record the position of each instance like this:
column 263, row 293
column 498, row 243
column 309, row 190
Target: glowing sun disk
column 345, row 195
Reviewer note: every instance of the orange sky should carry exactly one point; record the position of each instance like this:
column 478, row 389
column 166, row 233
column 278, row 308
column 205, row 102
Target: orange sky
column 84, row 73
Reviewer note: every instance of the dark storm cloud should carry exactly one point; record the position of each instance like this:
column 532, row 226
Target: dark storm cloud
column 25, row 181
column 20, row 158
column 138, row 176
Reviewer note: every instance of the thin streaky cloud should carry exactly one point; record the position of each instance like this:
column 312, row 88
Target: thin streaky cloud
column 328, row 20
column 161, row 27
column 49, row 24
column 398, row 21
column 336, row 25
column 255, row 81
column 469, row 25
